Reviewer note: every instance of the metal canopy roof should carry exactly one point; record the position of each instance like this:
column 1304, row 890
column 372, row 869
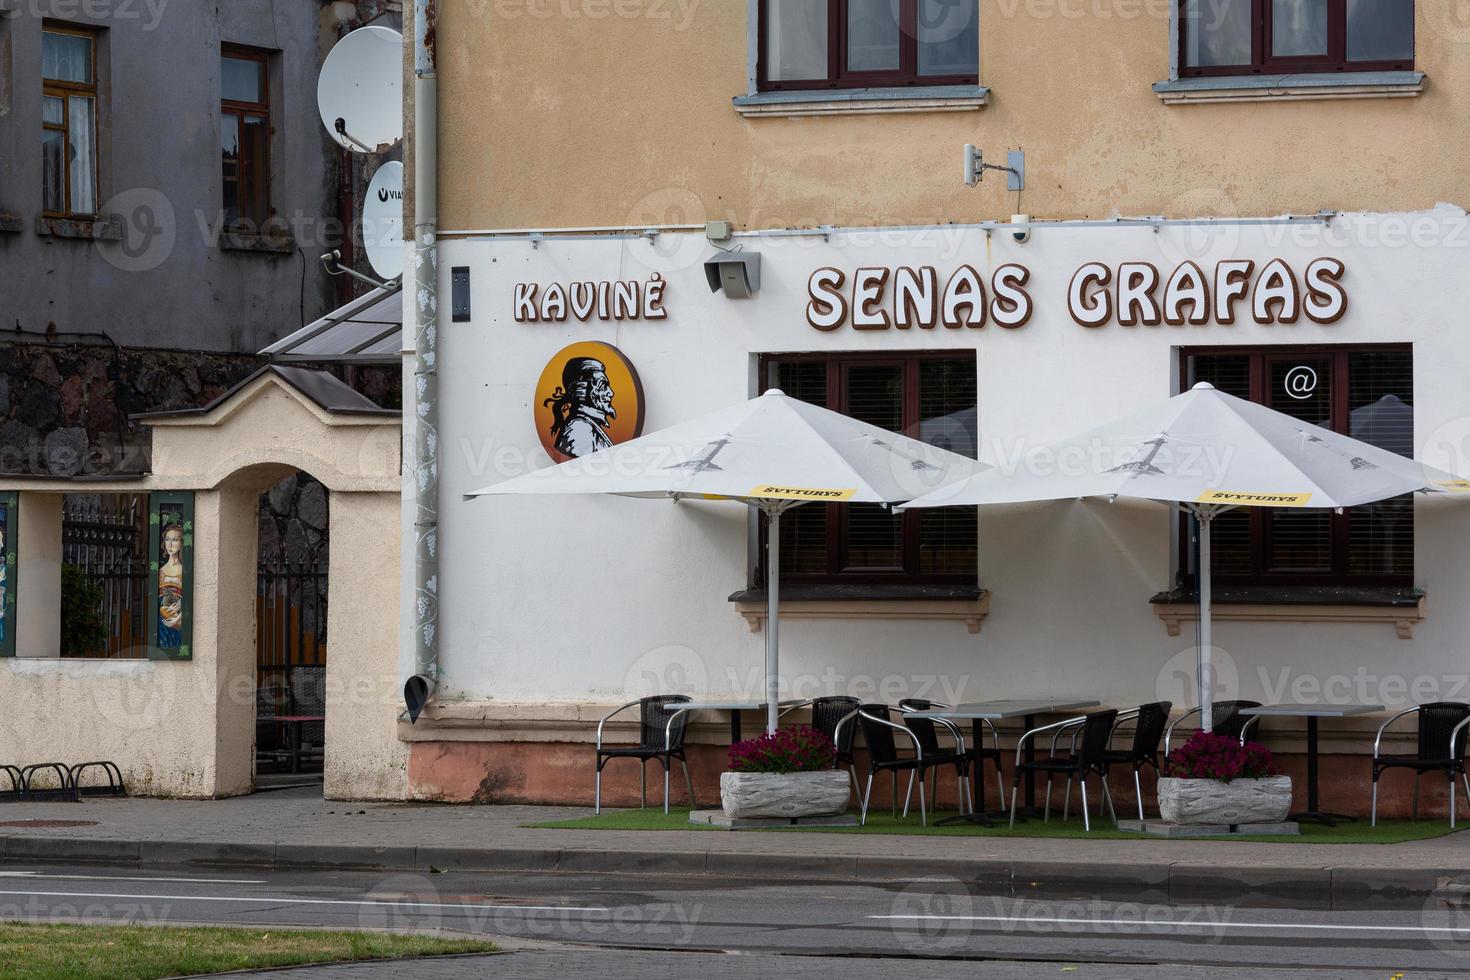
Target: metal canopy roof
column 368, row 330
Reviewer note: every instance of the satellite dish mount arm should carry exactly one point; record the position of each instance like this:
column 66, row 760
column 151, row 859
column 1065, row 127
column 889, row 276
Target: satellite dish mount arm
column 341, row 128
column 332, row 262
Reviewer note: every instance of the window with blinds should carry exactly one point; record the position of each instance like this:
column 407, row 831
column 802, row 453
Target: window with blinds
column 1364, row 392
column 930, row 397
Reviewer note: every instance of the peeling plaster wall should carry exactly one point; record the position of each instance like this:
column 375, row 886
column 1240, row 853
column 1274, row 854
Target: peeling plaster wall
column 365, row 760
column 605, row 117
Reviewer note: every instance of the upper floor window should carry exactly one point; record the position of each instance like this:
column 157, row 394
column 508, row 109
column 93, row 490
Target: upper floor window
column 244, row 137
column 816, row 44
column 1235, row 37
column 68, row 122
column 1363, row 392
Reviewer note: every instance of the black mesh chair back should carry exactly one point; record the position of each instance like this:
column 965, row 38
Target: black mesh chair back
column 1228, row 720
column 1097, row 731
column 654, row 713
column 1436, row 722
column 923, row 728
column 879, row 738
column 826, row 713
column 1149, row 732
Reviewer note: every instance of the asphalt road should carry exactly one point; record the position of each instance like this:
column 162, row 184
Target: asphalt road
column 649, row 926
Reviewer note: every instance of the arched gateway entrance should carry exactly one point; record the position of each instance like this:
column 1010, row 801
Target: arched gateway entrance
column 182, row 722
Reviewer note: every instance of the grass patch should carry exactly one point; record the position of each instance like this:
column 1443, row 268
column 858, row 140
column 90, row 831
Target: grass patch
column 883, row 822
column 78, row 952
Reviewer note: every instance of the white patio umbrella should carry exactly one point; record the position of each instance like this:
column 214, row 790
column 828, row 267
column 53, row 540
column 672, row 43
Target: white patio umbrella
column 1206, row 452
column 772, row 452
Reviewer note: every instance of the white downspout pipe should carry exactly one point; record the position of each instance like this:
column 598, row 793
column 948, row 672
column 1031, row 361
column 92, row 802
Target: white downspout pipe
column 420, row 687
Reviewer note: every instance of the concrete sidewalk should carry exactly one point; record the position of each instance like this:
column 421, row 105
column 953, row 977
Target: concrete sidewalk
column 297, row 828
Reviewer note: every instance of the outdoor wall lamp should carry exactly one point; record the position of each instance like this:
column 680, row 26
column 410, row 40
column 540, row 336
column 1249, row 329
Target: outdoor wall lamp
column 737, row 273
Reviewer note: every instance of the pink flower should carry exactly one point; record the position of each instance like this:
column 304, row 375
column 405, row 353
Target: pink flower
column 1210, row 756
column 798, row 749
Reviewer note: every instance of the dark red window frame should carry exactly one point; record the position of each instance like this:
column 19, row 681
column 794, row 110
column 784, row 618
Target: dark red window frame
column 839, row 77
column 1261, row 360
column 836, row 527
column 252, row 173
column 1263, row 63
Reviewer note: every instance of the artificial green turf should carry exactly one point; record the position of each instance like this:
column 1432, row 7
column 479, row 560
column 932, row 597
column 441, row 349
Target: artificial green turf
column 883, row 822
column 30, row 951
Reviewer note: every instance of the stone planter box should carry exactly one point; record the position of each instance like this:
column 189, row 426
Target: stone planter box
column 1209, row 801
column 784, row 794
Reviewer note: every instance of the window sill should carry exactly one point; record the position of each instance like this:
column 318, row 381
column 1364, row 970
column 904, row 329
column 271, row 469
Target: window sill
column 88, row 229
column 263, row 244
column 11, row 223
column 861, row 602
column 863, row 101
column 1401, row 608
column 1291, row 88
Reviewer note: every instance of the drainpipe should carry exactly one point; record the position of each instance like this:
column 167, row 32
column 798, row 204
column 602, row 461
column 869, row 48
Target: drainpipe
column 420, row 687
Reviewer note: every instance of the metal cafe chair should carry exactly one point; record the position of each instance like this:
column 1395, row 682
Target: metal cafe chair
column 828, row 715
column 660, row 736
column 878, row 729
column 976, row 752
column 1228, row 720
column 1149, row 721
column 1093, row 731
column 1442, row 728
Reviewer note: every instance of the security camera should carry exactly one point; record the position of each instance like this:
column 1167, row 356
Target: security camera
column 1021, row 228
column 737, row 273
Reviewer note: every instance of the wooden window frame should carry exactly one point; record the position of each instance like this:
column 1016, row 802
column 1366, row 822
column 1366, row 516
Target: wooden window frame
column 1261, row 358
column 838, row 77
column 59, row 89
column 1264, row 63
column 239, row 110
column 837, row 514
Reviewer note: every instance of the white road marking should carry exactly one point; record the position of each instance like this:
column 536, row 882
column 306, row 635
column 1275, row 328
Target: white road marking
column 286, row 900
column 1021, row 920
column 191, row 881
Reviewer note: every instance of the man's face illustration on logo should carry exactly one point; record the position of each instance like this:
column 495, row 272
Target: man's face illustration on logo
column 591, row 388
column 587, row 399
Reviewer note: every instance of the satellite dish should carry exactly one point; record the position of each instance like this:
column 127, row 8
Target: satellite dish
column 382, row 221
column 360, row 90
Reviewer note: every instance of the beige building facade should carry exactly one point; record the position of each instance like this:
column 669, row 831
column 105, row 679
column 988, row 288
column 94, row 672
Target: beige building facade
column 584, row 146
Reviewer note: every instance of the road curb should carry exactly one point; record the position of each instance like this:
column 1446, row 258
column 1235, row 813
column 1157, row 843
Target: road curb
column 1301, row 886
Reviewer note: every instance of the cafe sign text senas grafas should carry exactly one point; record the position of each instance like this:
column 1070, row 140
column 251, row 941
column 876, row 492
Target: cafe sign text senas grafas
column 1128, row 293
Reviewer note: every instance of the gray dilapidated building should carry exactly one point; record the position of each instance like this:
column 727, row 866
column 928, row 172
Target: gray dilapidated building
column 166, row 190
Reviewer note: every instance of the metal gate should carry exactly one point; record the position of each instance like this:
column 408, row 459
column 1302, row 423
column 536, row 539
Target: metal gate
column 106, row 536
column 290, row 664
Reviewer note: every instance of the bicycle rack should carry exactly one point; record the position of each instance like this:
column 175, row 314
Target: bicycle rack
column 65, row 791
column 114, row 786
column 17, row 784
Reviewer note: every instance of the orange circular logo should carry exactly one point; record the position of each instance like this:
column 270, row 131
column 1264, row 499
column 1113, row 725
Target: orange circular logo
column 588, row 398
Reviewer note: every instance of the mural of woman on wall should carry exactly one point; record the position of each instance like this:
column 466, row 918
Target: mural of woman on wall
column 4, row 584
column 171, row 588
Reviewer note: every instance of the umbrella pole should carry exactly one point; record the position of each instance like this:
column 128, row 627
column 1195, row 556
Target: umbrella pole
column 773, row 612
column 1206, row 669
